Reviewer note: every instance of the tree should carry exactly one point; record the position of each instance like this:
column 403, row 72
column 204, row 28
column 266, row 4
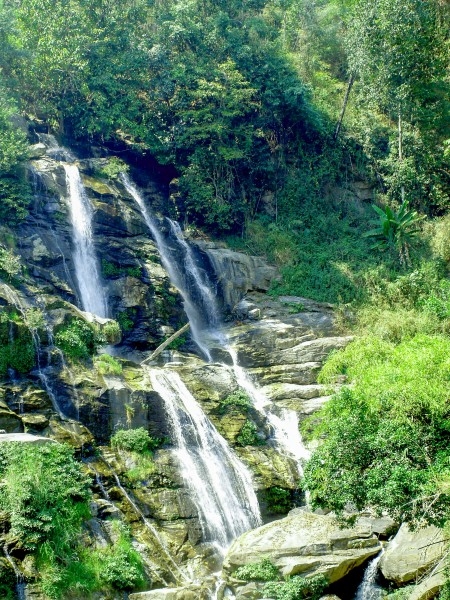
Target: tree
column 399, row 49
column 397, row 230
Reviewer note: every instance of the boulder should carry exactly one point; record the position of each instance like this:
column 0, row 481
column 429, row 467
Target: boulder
column 411, row 553
column 194, row 592
column 25, row 438
column 9, row 421
column 305, row 543
column 429, row 587
column 238, row 273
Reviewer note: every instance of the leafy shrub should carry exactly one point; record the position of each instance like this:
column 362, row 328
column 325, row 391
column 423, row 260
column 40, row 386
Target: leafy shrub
column 76, row 339
column 238, row 401
column 134, row 440
column 14, row 200
column 112, row 271
column 260, row 571
column 9, row 263
column 297, row 588
column 383, row 440
column 107, row 365
column 279, row 500
column 44, row 494
column 113, row 168
column 109, row 333
column 17, row 349
column 248, row 436
column 126, row 319
column 122, row 568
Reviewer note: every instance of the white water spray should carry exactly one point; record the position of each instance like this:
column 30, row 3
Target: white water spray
column 220, row 485
column 196, row 319
column 84, row 256
column 368, row 589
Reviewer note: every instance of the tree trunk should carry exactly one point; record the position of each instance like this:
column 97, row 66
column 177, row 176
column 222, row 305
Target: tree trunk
column 344, row 106
column 164, row 345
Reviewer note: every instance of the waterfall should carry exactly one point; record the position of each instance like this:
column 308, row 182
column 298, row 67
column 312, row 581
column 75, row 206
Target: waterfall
column 284, row 426
column 20, row 584
column 220, row 485
column 176, row 275
column 368, row 589
column 15, row 300
column 84, row 257
column 192, row 281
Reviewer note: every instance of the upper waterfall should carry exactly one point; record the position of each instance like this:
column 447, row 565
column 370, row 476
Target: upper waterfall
column 177, row 272
column 84, row 257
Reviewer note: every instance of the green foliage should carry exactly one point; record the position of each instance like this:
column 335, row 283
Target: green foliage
column 113, row 168
column 17, row 349
column 122, row 567
column 44, row 494
column 109, row 270
column 14, row 199
column 237, row 401
column 384, row 439
column 397, row 230
column 13, row 144
column 109, row 333
column 126, row 319
column 9, row 263
column 134, row 440
column 297, row 588
column 77, row 339
column 107, row 365
column 260, row 571
column 248, row 436
column 279, row 500
column 88, row 571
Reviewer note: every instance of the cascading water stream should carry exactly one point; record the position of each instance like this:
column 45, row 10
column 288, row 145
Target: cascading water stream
column 285, row 432
column 84, row 256
column 195, row 317
column 284, row 425
column 20, row 583
column 368, row 589
column 220, row 485
column 14, row 299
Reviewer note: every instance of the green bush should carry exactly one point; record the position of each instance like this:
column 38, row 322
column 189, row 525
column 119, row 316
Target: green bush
column 238, row 401
column 110, row 270
column 113, row 168
column 107, row 365
column 126, row 319
column 384, row 440
column 279, row 500
column 14, row 199
column 17, row 350
column 44, row 494
column 297, row 588
column 77, row 339
column 248, row 436
column 109, row 333
column 10, row 263
column 260, row 571
column 122, row 566
column 134, row 440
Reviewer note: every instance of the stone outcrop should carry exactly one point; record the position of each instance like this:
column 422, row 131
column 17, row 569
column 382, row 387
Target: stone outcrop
column 304, row 544
column 411, row 553
column 237, row 273
column 430, row 587
column 193, row 592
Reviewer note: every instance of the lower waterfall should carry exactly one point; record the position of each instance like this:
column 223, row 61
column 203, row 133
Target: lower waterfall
column 219, row 483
